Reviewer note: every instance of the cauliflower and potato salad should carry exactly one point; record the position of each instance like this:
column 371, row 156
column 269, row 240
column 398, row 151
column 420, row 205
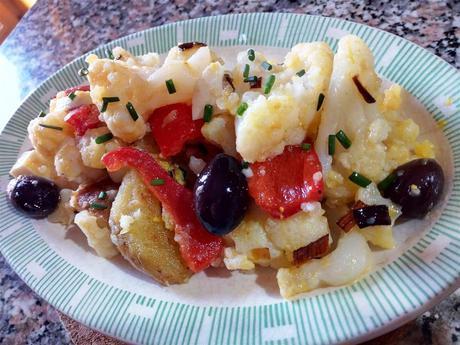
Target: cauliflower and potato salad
column 184, row 164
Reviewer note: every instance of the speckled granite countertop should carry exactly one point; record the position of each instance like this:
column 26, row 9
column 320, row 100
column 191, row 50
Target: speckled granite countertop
column 56, row 31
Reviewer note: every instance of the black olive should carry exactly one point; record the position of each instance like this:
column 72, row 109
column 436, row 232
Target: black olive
column 221, row 195
column 34, row 196
column 416, row 186
column 371, row 215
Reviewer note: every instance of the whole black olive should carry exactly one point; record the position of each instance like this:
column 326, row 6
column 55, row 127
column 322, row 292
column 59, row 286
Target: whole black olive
column 416, row 186
column 34, row 196
column 221, row 195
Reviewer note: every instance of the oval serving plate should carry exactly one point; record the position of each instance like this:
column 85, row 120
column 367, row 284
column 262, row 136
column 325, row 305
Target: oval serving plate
column 235, row 308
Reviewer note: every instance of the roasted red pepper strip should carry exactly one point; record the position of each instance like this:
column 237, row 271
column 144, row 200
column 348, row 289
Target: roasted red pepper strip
column 83, row 118
column 172, row 126
column 281, row 184
column 198, row 247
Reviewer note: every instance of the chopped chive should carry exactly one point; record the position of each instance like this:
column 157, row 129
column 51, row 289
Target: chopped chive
column 208, row 109
column 269, row 84
column 170, row 86
column 386, row 182
column 320, row 101
column 103, row 138
column 109, row 54
column 306, row 146
column 41, row 114
column 97, row 206
column 252, row 79
column 331, row 144
column 102, row 195
column 245, row 165
column 300, row 73
column 359, row 179
column 157, row 182
column 106, row 101
column 343, row 139
column 72, row 96
column 266, row 65
column 251, row 55
column 51, row 127
column 246, row 71
column 83, row 72
column 132, row 111
column 242, row 108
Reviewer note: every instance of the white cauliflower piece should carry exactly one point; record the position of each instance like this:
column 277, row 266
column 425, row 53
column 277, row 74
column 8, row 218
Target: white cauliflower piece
column 348, row 262
column 62, row 102
column 98, row 235
column 221, row 131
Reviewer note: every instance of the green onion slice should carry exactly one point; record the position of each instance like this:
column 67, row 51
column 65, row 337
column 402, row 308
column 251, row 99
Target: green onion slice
column 41, row 114
column 331, row 144
column 72, row 96
column 242, row 108
column 343, row 139
column 106, row 101
column 51, row 127
column 386, row 182
column 300, row 73
column 83, row 72
column 103, row 138
column 252, row 79
column 132, row 111
column 359, row 179
column 97, row 206
column 102, row 195
column 170, row 86
column 266, row 65
column 245, row 165
column 246, row 71
column 157, row 182
column 320, row 101
column 251, row 55
column 269, row 84
column 207, row 114
column 109, row 54
column 306, row 146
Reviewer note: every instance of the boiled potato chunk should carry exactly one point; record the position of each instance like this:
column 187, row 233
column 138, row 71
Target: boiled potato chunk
column 140, row 233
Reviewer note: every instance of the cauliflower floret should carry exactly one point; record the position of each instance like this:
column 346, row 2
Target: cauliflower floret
column 98, row 235
column 91, row 152
column 286, row 115
column 62, row 102
column 221, row 131
column 69, row 164
column 144, row 86
column 347, row 263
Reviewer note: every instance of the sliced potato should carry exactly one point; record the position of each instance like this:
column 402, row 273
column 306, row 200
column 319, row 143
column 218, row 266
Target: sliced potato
column 140, row 233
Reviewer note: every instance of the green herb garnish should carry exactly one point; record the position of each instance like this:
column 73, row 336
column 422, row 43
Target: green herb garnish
column 170, row 86
column 97, row 206
column 72, row 96
column 359, row 179
column 269, row 84
column 266, row 65
column 306, row 146
column 157, row 182
column 132, row 111
column 41, row 114
column 102, row 195
column 300, row 73
column 246, row 71
column 242, row 108
column 252, row 79
column 207, row 114
column 106, row 101
column 51, row 127
column 320, row 101
column 251, row 55
column 103, row 138
column 245, row 165
column 331, row 144
column 343, row 139
column 386, row 182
